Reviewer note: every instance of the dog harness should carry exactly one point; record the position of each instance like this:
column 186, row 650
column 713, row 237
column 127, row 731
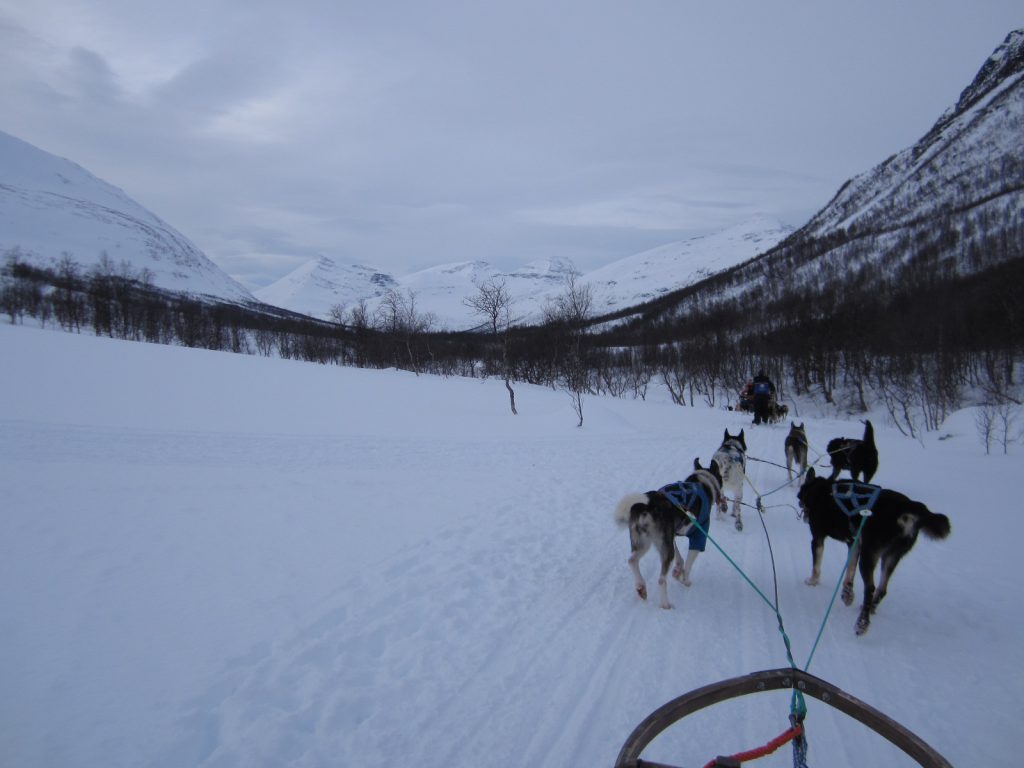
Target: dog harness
column 693, row 498
column 854, row 497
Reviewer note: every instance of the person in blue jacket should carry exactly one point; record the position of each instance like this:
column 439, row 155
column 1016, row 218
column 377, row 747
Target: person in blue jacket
column 764, row 394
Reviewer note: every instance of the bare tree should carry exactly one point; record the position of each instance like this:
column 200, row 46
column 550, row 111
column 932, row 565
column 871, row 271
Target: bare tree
column 399, row 317
column 570, row 311
column 264, row 338
column 361, row 321
column 337, row 314
column 493, row 302
column 68, row 304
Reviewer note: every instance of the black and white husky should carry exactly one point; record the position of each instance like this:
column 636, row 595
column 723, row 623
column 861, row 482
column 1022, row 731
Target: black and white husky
column 731, row 458
column 796, row 449
column 889, row 533
column 654, row 518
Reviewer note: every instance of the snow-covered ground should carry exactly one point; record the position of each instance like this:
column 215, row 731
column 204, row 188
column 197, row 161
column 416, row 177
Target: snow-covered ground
column 219, row 560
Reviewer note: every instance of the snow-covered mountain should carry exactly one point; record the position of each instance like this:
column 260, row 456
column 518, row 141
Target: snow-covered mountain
column 647, row 275
column 317, row 286
column 951, row 205
column 50, row 206
column 971, row 157
column 320, row 284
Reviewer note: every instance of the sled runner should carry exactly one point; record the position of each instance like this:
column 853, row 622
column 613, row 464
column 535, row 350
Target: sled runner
column 772, row 680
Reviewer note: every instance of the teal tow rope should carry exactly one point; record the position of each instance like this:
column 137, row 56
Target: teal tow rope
column 798, row 706
column 852, row 498
column 864, row 515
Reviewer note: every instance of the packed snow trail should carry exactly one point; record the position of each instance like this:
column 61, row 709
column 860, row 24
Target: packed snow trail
column 221, row 560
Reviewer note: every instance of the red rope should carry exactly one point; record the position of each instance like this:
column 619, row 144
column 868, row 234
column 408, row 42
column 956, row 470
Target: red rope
column 767, row 749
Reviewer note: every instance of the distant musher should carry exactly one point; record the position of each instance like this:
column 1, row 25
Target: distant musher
column 764, row 394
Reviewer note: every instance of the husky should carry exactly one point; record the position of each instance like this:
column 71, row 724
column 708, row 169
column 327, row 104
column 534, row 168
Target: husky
column 796, row 449
column 860, row 457
column 888, row 534
column 778, row 412
column 731, row 457
column 657, row 517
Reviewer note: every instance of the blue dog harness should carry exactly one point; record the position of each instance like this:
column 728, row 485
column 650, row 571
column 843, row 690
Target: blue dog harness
column 855, row 498
column 693, row 498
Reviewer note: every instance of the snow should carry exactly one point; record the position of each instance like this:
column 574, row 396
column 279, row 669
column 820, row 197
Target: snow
column 320, row 284
column 50, row 206
column 221, row 560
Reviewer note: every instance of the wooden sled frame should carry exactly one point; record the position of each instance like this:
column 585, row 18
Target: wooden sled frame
column 772, row 680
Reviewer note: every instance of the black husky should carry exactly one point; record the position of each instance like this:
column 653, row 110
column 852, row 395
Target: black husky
column 796, row 449
column 653, row 518
column 858, row 456
column 889, row 533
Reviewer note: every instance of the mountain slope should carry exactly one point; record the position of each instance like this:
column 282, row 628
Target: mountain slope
column 948, row 207
column 318, row 285
column 970, row 155
column 50, row 206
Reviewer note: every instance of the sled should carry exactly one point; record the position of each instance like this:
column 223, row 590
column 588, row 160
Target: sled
column 772, row 680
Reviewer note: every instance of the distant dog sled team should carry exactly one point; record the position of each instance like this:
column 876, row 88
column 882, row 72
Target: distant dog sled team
column 760, row 398
column 831, row 507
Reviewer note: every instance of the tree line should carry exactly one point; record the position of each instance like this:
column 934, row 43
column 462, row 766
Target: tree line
column 919, row 346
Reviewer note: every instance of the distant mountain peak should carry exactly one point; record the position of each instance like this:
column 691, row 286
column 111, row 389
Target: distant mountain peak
column 1006, row 60
column 972, row 153
column 321, row 284
column 50, row 206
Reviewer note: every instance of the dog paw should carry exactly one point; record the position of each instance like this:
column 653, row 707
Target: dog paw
column 642, row 592
column 677, row 573
column 862, row 625
column 686, row 581
column 812, row 582
column 739, row 524
column 667, row 606
column 847, row 595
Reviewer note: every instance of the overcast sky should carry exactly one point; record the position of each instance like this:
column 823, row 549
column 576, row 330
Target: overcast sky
column 417, row 132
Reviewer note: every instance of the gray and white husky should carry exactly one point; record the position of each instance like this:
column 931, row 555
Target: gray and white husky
column 731, row 458
column 796, row 449
column 653, row 518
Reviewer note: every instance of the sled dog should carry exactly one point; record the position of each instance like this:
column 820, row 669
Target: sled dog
column 860, row 457
column 731, row 457
column 796, row 449
column 888, row 534
column 657, row 517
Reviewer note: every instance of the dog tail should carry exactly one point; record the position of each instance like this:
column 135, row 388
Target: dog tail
column 625, row 507
column 934, row 525
column 869, row 434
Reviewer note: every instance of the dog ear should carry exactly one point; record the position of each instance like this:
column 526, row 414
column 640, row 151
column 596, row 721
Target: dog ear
column 696, row 462
column 810, row 475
